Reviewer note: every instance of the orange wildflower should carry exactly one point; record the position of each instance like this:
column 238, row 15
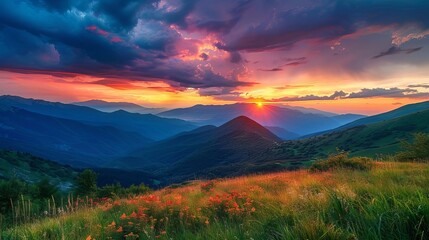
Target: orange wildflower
column 89, row 237
column 123, row 216
column 120, row 229
column 133, row 215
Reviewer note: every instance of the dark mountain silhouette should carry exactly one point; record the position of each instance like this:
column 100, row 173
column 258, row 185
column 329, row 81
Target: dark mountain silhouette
column 147, row 125
column 239, row 141
column 283, row 133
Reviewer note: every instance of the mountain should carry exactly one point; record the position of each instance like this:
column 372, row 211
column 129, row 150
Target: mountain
column 364, row 140
column 63, row 140
column 309, row 110
column 283, row 133
column 147, row 125
column 399, row 112
column 236, row 143
column 347, row 118
column 32, row 169
column 115, row 106
column 267, row 115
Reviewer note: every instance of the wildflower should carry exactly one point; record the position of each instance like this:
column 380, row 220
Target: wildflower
column 89, row 237
column 119, row 229
column 123, row 216
column 164, row 232
column 112, row 224
column 133, row 215
column 253, row 209
column 207, row 222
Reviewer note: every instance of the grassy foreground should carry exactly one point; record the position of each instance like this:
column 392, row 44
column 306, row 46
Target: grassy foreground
column 391, row 201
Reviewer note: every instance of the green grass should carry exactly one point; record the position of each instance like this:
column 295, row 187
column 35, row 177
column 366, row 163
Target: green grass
column 390, row 201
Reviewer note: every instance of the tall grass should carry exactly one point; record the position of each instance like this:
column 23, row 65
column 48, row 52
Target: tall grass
column 390, row 201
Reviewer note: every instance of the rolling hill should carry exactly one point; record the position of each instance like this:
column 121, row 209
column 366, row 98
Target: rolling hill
column 64, row 140
column 291, row 120
column 147, row 125
column 364, row 140
column 32, row 169
column 399, row 112
column 236, row 143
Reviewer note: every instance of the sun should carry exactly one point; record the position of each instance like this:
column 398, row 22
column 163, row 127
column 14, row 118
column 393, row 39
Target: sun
column 259, row 104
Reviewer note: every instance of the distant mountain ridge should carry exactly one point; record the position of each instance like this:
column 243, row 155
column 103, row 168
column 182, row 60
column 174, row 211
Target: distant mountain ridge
column 115, row 106
column 147, row 125
column 290, row 120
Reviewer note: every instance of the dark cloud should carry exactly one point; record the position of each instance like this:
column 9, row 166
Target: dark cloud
column 326, row 21
column 150, row 40
column 363, row 93
column 111, row 39
column 396, row 50
column 204, row 56
column 335, row 95
column 384, row 92
column 419, row 86
column 271, row 69
column 235, row 57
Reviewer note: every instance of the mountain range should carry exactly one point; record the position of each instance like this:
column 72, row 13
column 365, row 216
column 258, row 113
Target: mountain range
column 147, row 125
column 201, row 152
column 105, row 106
column 66, row 141
column 292, row 120
column 161, row 150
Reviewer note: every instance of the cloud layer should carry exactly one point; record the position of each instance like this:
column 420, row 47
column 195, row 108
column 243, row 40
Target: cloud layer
column 200, row 44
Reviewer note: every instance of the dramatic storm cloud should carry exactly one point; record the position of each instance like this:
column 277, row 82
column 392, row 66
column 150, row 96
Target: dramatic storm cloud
column 221, row 49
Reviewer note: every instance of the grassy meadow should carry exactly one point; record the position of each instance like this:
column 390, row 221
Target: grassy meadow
column 388, row 201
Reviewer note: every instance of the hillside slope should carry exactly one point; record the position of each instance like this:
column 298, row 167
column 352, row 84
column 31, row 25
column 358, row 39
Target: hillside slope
column 399, row 112
column 32, row 169
column 365, row 140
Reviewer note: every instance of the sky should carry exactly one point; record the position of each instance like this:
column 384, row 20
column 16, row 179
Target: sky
column 361, row 56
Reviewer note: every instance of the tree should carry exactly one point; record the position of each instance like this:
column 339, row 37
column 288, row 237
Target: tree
column 416, row 150
column 46, row 189
column 86, row 183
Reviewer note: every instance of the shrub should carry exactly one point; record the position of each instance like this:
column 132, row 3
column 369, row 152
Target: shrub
column 416, row 150
column 86, row 183
column 341, row 160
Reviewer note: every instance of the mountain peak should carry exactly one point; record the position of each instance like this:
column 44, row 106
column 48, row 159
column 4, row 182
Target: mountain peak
column 243, row 123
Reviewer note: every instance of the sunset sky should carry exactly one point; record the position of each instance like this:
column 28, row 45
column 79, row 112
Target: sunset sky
column 357, row 56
